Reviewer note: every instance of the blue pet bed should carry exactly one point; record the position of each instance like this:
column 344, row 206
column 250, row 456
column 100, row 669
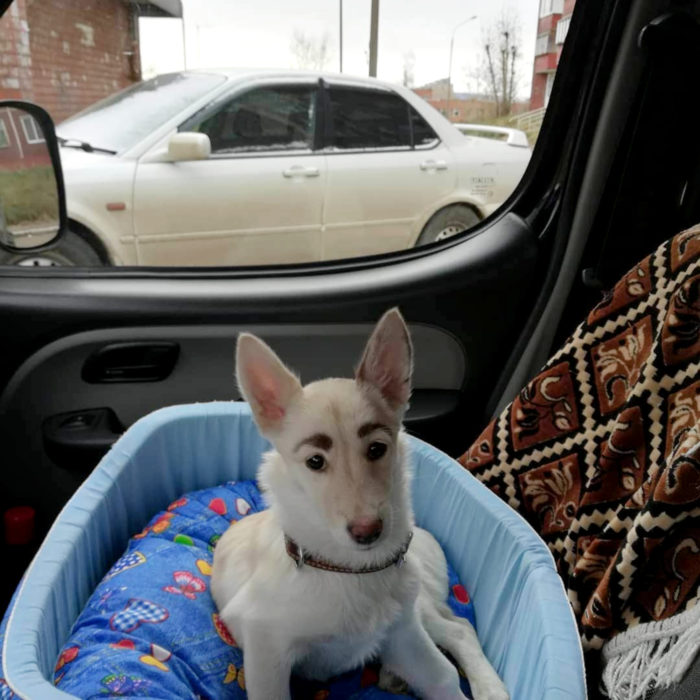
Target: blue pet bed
column 149, row 629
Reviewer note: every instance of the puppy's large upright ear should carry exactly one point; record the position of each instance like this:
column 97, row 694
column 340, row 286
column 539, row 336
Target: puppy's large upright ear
column 387, row 362
column 266, row 384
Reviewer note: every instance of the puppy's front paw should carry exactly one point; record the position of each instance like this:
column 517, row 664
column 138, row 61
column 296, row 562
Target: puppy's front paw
column 489, row 689
column 391, row 683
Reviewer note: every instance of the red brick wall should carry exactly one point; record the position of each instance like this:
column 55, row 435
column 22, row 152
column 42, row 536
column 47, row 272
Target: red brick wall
column 15, row 58
column 548, row 23
column 19, row 153
column 425, row 93
column 79, row 52
column 547, row 62
column 467, row 110
column 539, row 84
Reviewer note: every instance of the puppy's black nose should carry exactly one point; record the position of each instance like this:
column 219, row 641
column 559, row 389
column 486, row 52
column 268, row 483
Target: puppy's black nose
column 365, row 530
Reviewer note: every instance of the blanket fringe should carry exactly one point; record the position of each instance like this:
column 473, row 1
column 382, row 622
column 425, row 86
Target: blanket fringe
column 651, row 655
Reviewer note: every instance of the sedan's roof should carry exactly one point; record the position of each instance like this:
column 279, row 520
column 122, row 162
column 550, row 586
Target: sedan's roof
column 236, row 74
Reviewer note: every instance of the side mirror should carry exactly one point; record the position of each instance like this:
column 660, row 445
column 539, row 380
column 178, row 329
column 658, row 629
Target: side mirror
column 32, row 195
column 189, row 145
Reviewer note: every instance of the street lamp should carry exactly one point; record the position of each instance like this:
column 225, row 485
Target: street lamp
column 449, row 72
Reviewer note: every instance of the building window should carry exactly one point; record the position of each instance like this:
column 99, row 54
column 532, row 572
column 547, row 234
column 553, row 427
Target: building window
column 32, row 132
column 551, row 7
column 542, row 45
column 4, row 138
column 562, row 29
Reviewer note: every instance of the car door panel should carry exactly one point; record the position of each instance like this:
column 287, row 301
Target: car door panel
column 476, row 292
column 375, row 198
column 233, row 210
column 256, row 200
column 104, row 207
column 53, row 381
column 386, row 167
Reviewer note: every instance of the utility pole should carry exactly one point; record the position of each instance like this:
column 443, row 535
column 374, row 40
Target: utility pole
column 373, row 36
column 341, row 36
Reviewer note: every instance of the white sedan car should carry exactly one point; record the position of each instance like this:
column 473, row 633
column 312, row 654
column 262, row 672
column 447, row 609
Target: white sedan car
column 252, row 168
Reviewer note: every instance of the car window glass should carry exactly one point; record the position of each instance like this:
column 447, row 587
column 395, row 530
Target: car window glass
column 124, row 119
column 368, row 119
column 309, row 159
column 265, row 119
column 423, row 135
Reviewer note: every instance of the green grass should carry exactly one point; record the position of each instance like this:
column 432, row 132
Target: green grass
column 29, row 195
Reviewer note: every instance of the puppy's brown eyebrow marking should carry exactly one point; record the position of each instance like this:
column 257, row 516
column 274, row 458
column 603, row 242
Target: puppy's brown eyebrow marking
column 320, row 440
column 367, row 428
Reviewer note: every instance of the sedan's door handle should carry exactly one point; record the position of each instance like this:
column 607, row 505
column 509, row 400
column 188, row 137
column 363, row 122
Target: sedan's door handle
column 301, row 171
column 433, row 165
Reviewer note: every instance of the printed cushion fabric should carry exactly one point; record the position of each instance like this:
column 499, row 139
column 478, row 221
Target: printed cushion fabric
column 600, row 451
column 151, row 628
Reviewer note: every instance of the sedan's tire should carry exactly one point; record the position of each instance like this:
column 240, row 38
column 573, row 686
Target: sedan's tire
column 448, row 222
column 71, row 250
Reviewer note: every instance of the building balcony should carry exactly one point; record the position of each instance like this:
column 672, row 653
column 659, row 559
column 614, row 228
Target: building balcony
column 546, row 62
column 548, row 23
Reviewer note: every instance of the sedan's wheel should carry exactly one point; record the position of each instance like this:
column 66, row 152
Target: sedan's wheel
column 448, row 222
column 69, row 251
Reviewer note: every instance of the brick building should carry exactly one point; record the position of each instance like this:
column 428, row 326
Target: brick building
column 458, row 107
column 67, row 54
column 22, row 144
column 462, row 107
column 552, row 27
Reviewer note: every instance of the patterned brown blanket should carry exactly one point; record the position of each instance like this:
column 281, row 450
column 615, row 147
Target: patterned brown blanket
column 601, row 453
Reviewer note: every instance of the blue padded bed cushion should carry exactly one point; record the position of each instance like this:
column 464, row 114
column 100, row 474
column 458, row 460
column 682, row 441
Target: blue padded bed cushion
column 150, row 629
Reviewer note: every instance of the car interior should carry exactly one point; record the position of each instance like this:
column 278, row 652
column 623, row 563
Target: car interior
column 615, row 172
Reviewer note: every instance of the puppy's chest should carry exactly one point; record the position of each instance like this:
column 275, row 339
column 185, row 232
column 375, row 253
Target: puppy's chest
column 343, row 637
column 332, row 656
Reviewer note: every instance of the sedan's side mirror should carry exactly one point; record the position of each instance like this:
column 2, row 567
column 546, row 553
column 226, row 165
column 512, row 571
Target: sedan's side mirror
column 32, row 195
column 189, row 145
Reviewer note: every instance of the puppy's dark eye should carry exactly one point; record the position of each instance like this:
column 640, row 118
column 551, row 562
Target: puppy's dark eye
column 376, row 451
column 316, row 462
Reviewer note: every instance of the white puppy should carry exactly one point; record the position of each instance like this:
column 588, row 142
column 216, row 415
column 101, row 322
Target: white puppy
column 336, row 573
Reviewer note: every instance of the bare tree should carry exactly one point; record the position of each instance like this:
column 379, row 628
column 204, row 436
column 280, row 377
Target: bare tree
column 498, row 71
column 311, row 53
column 409, row 64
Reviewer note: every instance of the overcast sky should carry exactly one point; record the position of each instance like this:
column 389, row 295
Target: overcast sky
column 259, row 33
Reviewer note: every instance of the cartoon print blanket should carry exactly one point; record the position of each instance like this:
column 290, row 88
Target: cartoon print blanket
column 151, row 629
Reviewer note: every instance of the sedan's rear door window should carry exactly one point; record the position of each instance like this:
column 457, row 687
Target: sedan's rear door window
column 368, row 119
column 423, row 134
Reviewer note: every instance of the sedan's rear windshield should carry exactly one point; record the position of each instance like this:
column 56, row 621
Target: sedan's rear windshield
column 122, row 120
